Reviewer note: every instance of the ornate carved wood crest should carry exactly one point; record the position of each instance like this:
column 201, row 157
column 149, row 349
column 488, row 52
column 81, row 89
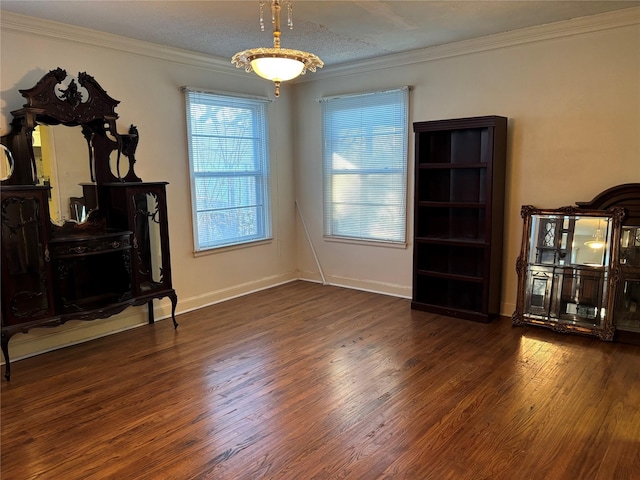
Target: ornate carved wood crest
column 69, row 100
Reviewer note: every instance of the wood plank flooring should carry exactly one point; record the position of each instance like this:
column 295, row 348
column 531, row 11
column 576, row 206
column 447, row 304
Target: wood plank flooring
column 305, row 381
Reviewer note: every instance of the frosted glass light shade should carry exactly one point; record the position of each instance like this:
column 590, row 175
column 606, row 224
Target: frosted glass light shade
column 595, row 244
column 277, row 64
column 277, row 69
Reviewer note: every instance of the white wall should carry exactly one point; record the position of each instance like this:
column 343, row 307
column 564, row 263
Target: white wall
column 147, row 80
column 571, row 92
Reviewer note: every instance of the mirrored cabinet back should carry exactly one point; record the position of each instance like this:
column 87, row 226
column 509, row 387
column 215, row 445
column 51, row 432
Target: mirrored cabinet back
column 83, row 237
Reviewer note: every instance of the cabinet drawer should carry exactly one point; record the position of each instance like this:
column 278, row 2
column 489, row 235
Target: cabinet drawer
column 95, row 246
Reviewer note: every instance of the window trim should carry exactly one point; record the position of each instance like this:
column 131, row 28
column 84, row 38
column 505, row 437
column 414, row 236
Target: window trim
column 263, row 192
column 328, row 172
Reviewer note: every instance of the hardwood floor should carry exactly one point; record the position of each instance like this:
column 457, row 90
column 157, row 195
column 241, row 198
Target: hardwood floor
column 305, row 381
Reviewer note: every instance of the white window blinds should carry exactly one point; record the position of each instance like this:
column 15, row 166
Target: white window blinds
column 365, row 166
column 229, row 166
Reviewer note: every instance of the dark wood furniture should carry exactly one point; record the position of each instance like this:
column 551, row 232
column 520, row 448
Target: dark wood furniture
column 89, row 268
column 626, row 310
column 458, row 216
column 575, row 280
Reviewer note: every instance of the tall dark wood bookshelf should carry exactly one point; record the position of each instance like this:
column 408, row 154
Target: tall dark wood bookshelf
column 458, row 216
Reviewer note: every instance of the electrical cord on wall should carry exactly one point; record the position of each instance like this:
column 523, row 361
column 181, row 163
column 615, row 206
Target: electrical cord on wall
column 313, row 250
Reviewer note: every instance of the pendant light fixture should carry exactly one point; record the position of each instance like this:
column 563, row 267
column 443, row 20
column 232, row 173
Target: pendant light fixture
column 277, row 64
column 598, row 240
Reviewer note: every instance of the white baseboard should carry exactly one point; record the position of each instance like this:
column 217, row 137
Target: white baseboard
column 356, row 284
column 42, row 340
column 211, row 298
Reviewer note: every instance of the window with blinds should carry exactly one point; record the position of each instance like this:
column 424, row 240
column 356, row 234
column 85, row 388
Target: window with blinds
column 365, row 166
column 229, row 167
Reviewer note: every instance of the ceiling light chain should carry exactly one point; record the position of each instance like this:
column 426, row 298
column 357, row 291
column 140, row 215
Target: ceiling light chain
column 277, row 64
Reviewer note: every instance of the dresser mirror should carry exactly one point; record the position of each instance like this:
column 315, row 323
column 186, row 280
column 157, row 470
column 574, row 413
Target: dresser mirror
column 61, row 155
column 566, row 269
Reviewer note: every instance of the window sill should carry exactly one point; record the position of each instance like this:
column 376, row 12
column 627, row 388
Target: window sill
column 228, row 248
column 368, row 243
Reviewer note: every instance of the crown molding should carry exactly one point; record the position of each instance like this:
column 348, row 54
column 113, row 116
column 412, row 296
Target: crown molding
column 616, row 19
column 72, row 33
column 567, row 28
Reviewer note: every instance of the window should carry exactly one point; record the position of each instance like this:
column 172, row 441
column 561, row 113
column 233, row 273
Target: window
column 229, row 166
column 365, row 166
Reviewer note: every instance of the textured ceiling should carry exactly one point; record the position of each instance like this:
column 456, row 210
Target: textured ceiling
column 338, row 32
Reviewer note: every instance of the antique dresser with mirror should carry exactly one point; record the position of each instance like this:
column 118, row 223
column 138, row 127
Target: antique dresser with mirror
column 579, row 267
column 83, row 237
